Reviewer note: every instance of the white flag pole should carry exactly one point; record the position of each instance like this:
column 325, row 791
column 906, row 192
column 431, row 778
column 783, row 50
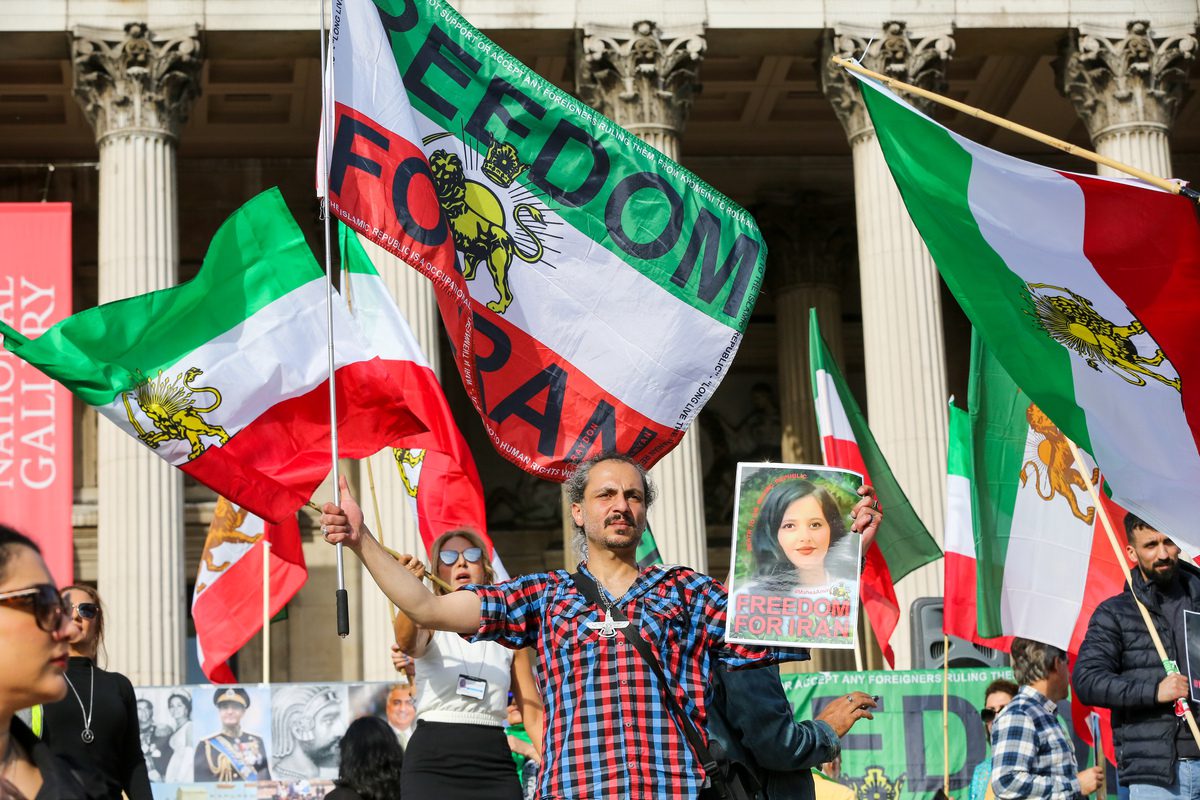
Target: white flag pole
column 266, row 628
column 342, row 600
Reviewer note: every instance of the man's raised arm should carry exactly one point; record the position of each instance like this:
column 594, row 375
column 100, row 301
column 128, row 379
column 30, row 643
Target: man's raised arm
column 457, row 612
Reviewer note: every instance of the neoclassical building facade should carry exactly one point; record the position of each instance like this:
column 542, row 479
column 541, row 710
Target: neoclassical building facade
column 157, row 118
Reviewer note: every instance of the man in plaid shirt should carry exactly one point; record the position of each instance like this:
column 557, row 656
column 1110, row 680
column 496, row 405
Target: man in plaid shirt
column 608, row 732
column 1031, row 754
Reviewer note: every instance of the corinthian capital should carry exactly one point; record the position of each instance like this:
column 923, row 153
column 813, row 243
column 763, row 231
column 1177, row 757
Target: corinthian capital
column 897, row 53
column 134, row 80
column 642, row 79
column 1133, row 81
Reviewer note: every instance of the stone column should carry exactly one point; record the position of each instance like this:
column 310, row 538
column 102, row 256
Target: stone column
column 901, row 303
column 1127, row 90
column 810, row 254
column 136, row 87
column 645, row 80
column 396, row 524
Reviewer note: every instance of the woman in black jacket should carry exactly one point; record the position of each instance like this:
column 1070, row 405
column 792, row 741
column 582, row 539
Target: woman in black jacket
column 96, row 724
column 34, row 630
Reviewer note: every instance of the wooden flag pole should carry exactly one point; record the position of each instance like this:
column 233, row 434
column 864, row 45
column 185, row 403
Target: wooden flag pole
column 1173, row 187
column 378, row 525
column 1116, row 546
column 266, row 634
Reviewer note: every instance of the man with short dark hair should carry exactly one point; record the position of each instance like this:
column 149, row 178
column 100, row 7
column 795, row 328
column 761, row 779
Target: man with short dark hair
column 1031, row 754
column 608, row 731
column 1120, row 669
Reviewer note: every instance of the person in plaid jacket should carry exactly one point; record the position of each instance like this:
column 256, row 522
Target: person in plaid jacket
column 1031, row 754
column 608, row 731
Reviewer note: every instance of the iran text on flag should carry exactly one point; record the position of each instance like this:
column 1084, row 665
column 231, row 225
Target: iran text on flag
column 1026, row 553
column 1085, row 288
column 436, row 466
column 595, row 291
column 227, row 602
column 903, row 543
column 227, row 376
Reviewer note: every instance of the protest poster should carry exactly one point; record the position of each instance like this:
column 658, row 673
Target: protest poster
column 1191, row 634
column 794, row 567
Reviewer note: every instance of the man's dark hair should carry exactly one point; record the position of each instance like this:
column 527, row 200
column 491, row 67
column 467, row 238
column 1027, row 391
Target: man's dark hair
column 1132, row 523
column 10, row 540
column 1033, row 661
column 370, row 759
column 1001, row 685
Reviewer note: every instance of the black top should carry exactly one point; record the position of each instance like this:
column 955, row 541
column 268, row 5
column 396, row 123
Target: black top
column 116, row 752
column 59, row 781
column 343, row 793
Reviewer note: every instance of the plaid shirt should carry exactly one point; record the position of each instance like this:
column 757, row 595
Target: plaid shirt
column 1031, row 754
column 609, row 735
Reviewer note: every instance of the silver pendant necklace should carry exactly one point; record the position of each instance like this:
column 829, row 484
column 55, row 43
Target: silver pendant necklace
column 87, row 735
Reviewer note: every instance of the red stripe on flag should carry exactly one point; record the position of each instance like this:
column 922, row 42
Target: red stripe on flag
column 844, row 454
column 229, row 612
column 879, row 600
column 273, row 465
column 1146, row 247
column 961, row 614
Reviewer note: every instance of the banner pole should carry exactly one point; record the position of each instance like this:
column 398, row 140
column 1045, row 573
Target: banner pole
column 378, row 524
column 978, row 113
column 340, row 596
column 946, row 713
column 1097, row 752
column 266, row 586
column 1112, row 540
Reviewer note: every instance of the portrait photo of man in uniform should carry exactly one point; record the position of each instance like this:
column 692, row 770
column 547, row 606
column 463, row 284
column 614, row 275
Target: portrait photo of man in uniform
column 232, row 754
column 307, row 724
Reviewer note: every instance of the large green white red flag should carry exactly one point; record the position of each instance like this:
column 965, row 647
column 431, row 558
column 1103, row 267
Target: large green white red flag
column 227, row 376
column 1085, row 288
column 1026, row 553
column 595, row 291
column 436, row 467
column 903, row 543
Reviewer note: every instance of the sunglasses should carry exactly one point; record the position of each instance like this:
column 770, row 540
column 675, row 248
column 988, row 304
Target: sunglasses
column 987, row 714
column 86, row 610
column 450, row 557
column 42, row 600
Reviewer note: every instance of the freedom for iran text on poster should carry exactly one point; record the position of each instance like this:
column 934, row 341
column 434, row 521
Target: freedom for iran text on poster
column 36, row 455
column 594, row 290
column 794, row 568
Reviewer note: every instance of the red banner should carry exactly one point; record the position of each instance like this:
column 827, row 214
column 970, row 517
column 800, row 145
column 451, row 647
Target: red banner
column 36, row 444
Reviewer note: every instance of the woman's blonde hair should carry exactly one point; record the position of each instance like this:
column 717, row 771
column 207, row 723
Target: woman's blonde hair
column 435, row 551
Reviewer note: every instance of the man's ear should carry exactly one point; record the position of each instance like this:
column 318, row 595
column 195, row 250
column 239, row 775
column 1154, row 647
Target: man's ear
column 577, row 514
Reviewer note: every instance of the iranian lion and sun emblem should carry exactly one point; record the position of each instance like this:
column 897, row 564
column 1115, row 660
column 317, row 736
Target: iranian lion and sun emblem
column 170, row 404
column 477, row 217
column 1072, row 321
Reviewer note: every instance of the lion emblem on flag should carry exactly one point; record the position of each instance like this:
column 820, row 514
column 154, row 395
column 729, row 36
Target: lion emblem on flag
column 1047, row 449
column 477, row 218
column 171, row 406
column 1074, row 323
column 409, row 463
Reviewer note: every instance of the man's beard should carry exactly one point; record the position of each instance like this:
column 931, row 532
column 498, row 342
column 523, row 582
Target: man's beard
column 325, row 755
column 1162, row 578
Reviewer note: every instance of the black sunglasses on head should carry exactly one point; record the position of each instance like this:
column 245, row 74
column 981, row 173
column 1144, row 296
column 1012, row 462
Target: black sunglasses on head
column 42, row 600
column 471, row 554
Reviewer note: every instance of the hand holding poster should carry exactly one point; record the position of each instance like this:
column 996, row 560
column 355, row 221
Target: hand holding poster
column 795, row 562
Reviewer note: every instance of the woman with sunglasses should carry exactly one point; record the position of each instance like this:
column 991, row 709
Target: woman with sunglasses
column 459, row 749
column 96, row 723
column 34, row 629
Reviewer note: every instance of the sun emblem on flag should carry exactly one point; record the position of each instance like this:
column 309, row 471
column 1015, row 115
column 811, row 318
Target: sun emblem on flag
column 170, row 404
column 875, row 785
column 477, row 216
column 1071, row 321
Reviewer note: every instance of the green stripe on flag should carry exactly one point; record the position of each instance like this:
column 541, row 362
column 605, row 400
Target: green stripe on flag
column 904, row 540
column 256, row 257
column 958, row 454
column 647, row 550
column 932, row 170
column 999, row 429
column 619, row 191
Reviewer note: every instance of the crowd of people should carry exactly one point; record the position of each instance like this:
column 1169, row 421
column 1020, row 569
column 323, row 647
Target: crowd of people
column 610, row 681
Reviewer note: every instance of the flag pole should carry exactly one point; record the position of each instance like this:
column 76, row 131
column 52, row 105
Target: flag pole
column 266, row 637
column 378, row 524
column 1170, row 186
column 1112, row 540
column 340, row 596
column 946, row 713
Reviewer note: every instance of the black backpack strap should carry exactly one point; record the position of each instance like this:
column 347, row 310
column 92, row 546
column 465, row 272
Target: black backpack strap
column 587, row 587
